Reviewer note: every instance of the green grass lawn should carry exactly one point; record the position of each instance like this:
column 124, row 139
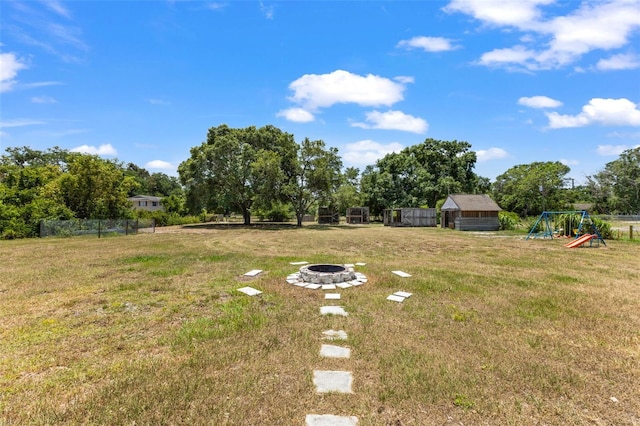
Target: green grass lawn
column 150, row 329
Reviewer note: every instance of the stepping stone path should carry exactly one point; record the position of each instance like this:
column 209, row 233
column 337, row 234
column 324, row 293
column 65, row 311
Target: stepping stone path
column 333, row 381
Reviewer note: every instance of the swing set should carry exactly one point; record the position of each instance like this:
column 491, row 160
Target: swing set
column 576, row 223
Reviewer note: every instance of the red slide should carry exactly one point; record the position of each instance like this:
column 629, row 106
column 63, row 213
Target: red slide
column 580, row 241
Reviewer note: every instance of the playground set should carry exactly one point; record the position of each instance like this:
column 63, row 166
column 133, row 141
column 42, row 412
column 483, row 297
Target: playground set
column 575, row 224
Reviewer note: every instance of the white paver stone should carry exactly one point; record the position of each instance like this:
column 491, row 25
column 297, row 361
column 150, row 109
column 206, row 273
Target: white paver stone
column 253, row 273
column 343, row 285
column 334, row 335
column 249, row 290
column 395, row 298
column 349, row 265
column 330, row 420
column 401, row 274
column 314, row 286
column 402, row 294
column 333, row 310
column 332, row 296
column 361, row 264
column 301, row 284
column 303, row 262
column 332, row 381
column 328, row 286
column 332, row 351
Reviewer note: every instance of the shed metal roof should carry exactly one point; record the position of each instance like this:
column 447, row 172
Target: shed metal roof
column 471, row 202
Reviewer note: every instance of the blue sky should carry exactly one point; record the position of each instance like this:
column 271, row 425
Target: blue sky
column 142, row 81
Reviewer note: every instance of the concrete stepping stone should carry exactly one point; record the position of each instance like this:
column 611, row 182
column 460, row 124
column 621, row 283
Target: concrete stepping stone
column 303, row 262
column 330, row 420
column 360, row 264
column 333, row 351
column 334, row 335
column 333, row 310
column 313, row 286
column 399, row 296
column 401, row 274
column 332, row 381
column 253, row 273
column 343, row 285
column 328, row 286
column 250, row 291
column 332, row 296
column 395, row 298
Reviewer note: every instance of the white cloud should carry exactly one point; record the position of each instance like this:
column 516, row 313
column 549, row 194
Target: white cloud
column 10, row 64
column 159, row 164
column 43, row 100
column 367, row 152
column 393, row 120
column 106, row 149
column 491, row 154
column 606, row 112
column 267, row 11
column 569, row 162
column 58, row 8
column 20, row 122
column 40, row 84
column 216, row 6
column 518, row 13
column 507, row 56
column 159, row 102
column 428, row 44
column 313, row 91
column 558, row 41
column 613, row 150
column 619, row 62
column 298, row 115
column 539, row 102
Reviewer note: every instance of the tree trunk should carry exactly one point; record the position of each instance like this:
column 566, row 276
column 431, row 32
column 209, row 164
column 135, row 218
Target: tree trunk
column 299, row 219
column 246, row 215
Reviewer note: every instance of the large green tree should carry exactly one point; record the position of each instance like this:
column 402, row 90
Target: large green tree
column 222, row 174
column 156, row 184
column 28, row 190
column 315, row 176
column 348, row 193
column 616, row 189
column 94, row 188
column 420, row 175
column 529, row 189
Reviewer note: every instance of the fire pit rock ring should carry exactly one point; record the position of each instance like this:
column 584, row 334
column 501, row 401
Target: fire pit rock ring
column 327, row 277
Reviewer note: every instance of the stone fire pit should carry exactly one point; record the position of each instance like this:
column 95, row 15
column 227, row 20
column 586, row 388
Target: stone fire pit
column 327, row 277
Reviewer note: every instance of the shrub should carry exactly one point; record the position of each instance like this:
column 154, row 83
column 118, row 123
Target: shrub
column 508, row 220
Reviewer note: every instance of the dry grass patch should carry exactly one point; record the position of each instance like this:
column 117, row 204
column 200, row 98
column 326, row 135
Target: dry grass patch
column 150, row 329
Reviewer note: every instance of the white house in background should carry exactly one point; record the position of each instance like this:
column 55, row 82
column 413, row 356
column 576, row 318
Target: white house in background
column 146, row 202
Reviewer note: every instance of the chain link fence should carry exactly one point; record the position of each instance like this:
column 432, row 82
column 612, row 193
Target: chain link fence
column 97, row 227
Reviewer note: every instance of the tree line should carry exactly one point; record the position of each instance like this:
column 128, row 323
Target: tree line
column 265, row 172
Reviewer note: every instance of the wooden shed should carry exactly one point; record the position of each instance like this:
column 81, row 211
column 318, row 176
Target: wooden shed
column 466, row 212
column 410, row 217
column 328, row 216
column 358, row 215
